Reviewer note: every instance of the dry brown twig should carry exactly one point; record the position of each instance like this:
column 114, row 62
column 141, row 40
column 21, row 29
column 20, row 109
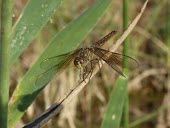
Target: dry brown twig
column 55, row 109
column 135, row 83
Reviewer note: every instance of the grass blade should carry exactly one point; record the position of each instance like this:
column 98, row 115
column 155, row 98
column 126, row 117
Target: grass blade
column 6, row 25
column 34, row 17
column 114, row 110
column 125, row 115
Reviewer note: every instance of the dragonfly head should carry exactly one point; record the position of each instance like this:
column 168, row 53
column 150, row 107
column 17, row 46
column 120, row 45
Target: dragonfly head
column 80, row 62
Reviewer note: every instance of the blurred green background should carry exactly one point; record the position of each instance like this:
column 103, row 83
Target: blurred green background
column 148, row 86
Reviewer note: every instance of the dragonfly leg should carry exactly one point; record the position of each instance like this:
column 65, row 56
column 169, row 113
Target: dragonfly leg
column 92, row 64
column 84, row 75
column 91, row 69
column 99, row 61
column 80, row 74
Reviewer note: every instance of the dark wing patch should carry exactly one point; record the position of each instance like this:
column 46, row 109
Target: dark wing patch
column 102, row 41
column 116, row 59
column 46, row 77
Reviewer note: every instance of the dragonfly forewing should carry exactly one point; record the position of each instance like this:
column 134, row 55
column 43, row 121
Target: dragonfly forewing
column 52, row 61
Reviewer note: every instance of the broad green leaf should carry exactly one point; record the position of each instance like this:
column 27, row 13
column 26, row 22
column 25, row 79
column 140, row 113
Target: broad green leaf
column 66, row 40
column 34, row 17
column 115, row 106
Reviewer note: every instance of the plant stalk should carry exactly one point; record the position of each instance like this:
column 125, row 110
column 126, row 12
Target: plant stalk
column 6, row 25
column 125, row 117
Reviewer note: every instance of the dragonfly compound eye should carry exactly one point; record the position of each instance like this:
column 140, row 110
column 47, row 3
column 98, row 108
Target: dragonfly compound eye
column 77, row 62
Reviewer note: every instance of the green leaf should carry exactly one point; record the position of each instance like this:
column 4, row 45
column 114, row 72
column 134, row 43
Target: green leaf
column 115, row 106
column 34, row 17
column 67, row 40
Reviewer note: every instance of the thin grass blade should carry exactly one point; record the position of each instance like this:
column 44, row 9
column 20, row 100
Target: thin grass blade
column 33, row 18
column 112, row 117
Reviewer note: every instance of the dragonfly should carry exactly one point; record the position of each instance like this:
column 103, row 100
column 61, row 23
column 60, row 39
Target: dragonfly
column 85, row 59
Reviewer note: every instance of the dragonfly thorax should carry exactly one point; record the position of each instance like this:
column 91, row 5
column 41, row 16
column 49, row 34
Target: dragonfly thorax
column 84, row 53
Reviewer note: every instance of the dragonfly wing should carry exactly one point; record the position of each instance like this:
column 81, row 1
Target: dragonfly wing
column 52, row 61
column 45, row 77
column 105, row 57
column 125, row 61
column 116, row 59
column 104, row 39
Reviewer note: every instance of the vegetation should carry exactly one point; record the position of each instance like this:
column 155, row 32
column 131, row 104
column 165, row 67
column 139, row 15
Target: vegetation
column 43, row 29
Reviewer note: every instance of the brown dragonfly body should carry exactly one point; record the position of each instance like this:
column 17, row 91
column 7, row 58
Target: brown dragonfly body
column 85, row 59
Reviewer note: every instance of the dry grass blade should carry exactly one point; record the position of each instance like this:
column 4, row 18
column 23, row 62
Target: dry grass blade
column 135, row 83
column 52, row 111
column 129, row 29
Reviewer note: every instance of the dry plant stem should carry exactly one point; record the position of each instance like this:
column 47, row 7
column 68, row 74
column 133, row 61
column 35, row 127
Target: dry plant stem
column 164, row 117
column 129, row 29
column 134, row 84
column 52, row 111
